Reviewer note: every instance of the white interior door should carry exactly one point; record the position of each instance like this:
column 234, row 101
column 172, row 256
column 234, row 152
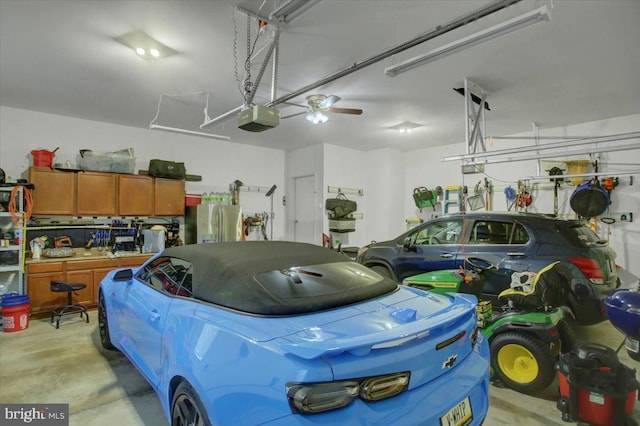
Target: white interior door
column 305, row 212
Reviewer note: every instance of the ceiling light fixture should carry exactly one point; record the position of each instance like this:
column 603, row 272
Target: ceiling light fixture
column 553, row 145
column 506, row 27
column 405, row 127
column 146, row 47
column 188, row 132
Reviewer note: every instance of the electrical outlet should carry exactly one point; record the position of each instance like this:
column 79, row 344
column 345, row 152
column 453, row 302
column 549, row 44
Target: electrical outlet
column 284, row 200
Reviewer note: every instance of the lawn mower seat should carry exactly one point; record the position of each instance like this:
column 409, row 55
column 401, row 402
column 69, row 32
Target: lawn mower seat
column 550, row 287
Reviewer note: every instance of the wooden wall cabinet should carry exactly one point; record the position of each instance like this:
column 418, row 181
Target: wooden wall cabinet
column 135, row 195
column 55, row 191
column 97, row 194
column 169, row 197
column 105, row 194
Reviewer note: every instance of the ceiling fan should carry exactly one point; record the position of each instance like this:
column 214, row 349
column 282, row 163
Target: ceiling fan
column 317, row 105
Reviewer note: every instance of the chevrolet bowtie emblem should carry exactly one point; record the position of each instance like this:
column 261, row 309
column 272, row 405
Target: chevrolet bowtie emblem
column 449, row 362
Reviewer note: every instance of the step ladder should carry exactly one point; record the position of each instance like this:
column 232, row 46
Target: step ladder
column 450, row 191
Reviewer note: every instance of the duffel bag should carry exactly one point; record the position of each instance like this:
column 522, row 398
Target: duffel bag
column 167, row 169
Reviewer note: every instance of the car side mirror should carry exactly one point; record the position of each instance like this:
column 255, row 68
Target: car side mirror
column 407, row 246
column 123, row 275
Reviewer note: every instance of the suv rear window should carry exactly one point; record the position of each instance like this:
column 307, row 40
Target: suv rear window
column 580, row 235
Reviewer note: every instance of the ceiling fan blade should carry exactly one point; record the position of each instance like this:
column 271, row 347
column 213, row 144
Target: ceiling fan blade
column 328, row 101
column 293, row 115
column 346, row 111
column 298, row 105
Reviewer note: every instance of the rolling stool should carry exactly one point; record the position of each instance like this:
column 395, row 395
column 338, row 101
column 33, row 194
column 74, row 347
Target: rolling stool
column 71, row 308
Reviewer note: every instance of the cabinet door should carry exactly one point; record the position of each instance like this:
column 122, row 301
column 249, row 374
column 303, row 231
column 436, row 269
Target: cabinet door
column 169, row 197
column 133, row 261
column 84, row 296
column 54, row 193
column 98, row 275
column 97, row 194
column 135, row 195
column 41, row 297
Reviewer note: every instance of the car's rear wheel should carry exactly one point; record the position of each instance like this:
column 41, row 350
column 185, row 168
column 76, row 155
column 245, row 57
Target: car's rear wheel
column 522, row 362
column 103, row 323
column 187, row 409
column 381, row 270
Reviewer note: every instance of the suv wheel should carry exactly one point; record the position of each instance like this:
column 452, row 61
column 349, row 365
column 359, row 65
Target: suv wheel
column 381, row 270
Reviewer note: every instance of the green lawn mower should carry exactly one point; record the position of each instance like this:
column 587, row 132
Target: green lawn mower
column 526, row 329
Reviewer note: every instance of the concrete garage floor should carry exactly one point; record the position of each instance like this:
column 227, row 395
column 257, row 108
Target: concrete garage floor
column 68, row 365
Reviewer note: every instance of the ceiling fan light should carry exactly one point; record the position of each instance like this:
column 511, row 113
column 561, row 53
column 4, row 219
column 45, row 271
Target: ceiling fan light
column 140, row 51
column 317, row 117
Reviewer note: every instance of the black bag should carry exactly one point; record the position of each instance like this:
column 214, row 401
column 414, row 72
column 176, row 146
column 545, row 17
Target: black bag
column 340, row 206
column 167, row 169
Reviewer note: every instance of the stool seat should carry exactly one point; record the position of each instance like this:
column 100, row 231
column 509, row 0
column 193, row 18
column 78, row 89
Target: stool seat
column 70, row 308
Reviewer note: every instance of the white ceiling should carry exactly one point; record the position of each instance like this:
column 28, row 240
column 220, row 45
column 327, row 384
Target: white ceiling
column 59, row 57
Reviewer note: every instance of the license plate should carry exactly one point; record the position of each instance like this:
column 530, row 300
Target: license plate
column 459, row 415
column 632, row 345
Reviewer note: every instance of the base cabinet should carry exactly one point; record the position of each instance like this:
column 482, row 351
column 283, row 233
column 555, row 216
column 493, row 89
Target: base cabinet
column 39, row 277
column 89, row 272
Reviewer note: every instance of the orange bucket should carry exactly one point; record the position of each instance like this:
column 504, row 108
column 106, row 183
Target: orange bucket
column 42, row 157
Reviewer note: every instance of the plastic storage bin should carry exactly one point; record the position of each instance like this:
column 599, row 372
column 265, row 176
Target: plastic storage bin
column 115, row 162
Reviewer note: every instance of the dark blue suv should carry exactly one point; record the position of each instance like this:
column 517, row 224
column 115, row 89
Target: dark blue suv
column 512, row 242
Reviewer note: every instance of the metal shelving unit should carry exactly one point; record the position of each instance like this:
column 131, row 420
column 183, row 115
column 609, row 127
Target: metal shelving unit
column 12, row 271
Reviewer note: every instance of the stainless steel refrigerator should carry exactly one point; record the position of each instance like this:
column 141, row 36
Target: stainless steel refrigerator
column 213, row 222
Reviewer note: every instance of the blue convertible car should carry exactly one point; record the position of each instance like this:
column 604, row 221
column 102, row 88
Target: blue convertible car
column 280, row 333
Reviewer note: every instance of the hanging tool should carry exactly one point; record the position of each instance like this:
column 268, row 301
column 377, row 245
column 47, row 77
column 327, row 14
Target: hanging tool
column 476, row 201
column 523, row 197
column 510, row 195
column 555, row 171
column 487, row 194
column 62, row 242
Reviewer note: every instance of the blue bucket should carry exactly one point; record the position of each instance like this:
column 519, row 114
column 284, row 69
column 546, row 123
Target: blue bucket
column 14, row 299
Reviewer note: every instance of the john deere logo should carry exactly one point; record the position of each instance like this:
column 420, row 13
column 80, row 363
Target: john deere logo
column 449, row 362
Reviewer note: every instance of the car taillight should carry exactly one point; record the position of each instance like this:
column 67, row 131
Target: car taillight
column 311, row 398
column 590, row 268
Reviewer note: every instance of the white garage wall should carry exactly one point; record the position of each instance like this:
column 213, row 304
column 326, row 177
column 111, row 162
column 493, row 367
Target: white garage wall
column 424, row 168
column 385, row 194
column 387, row 176
column 347, row 168
column 218, row 162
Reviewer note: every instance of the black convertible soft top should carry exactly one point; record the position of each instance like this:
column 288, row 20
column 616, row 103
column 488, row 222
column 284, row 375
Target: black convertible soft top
column 277, row 277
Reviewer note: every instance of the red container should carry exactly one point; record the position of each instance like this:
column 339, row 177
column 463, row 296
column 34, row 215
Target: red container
column 42, row 158
column 15, row 312
column 192, row 200
column 595, row 408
